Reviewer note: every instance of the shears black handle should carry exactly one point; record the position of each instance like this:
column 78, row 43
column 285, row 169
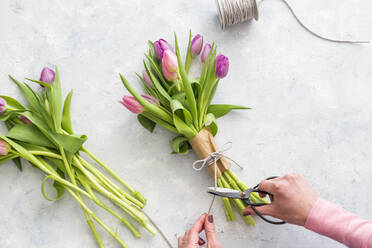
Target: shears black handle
column 254, row 205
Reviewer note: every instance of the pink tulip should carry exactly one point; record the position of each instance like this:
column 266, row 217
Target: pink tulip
column 196, row 45
column 24, row 119
column 222, row 66
column 207, row 49
column 170, row 76
column 160, row 46
column 134, row 106
column 170, row 61
column 4, row 148
column 2, row 105
column 146, row 78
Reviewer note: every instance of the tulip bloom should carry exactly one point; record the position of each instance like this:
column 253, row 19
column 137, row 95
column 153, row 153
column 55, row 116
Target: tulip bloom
column 24, row 119
column 146, row 78
column 196, row 45
column 4, row 148
column 170, row 76
column 131, row 103
column 47, row 76
column 160, row 46
column 2, row 105
column 207, row 49
column 169, row 61
column 222, row 66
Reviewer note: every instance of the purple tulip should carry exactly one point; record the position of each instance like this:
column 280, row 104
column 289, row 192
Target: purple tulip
column 146, row 78
column 24, row 119
column 2, row 105
column 196, row 45
column 222, row 66
column 160, row 46
column 47, row 76
column 205, row 53
column 4, row 148
column 131, row 103
column 151, row 99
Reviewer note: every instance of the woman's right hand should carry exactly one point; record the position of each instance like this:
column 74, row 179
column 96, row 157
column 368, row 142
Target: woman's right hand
column 293, row 198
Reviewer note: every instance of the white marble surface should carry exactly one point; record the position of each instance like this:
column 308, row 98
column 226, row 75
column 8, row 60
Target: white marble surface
column 312, row 111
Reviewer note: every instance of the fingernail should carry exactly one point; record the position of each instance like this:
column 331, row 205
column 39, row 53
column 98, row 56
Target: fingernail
column 210, row 218
column 246, row 214
column 201, row 241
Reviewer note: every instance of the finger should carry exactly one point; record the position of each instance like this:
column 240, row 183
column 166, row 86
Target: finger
column 262, row 195
column 264, row 210
column 180, row 240
column 201, row 241
column 268, row 186
column 210, row 232
column 199, row 224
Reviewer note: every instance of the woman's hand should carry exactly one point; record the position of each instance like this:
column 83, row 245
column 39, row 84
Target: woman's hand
column 292, row 200
column 191, row 238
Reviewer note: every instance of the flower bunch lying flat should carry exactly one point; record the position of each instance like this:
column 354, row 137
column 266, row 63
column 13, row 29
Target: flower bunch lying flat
column 42, row 134
column 182, row 104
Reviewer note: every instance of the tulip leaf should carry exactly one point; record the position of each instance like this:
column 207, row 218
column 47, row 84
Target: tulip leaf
column 9, row 115
column 146, row 122
column 180, row 145
column 181, row 111
column 186, row 85
column 13, row 103
column 159, row 121
column 220, row 110
column 210, row 121
column 18, row 163
column 55, row 101
column 66, row 118
column 188, row 59
column 164, row 98
column 157, row 70
column 39, row 82
column 188, row 130
column 7, row 157
column 58, row 186
column 29, row 133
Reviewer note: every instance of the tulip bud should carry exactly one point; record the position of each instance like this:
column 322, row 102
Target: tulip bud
column 146, row 78
column 160, row 46
column 170, row 76
column 222, row 66
column 169, row 61
column 24, row 119
column 4, row 148
column 47, row 76
column 2, row 105
column 205, row 53
column 134, row 106
column 151, row 99
column 196, row 45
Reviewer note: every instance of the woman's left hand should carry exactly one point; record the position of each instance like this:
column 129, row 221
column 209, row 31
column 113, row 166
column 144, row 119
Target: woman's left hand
column 191, row 238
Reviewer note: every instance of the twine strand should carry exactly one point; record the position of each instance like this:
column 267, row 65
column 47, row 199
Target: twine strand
column 212, row 159
column 237, row 11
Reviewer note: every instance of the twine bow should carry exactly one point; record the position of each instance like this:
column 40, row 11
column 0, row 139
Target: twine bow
column 213, row 158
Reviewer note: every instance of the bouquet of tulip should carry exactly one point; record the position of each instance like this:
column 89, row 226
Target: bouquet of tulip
column 182, row 105
column 42, row 134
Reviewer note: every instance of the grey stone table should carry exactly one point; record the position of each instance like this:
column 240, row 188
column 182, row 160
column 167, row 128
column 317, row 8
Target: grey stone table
column 312, row 111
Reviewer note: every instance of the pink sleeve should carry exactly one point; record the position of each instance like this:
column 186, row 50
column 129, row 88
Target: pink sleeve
column 336, row 223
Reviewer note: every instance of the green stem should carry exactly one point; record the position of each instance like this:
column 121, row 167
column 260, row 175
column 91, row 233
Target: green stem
column 99, row 221
column 110, row 185
column 237, row 202
column 137, row 194
column 226, row 202
column 115, row 214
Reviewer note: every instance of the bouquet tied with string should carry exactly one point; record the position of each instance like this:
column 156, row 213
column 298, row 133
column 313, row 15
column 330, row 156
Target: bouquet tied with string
column 182, row 104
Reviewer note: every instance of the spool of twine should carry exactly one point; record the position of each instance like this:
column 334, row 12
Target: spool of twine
column 237, row 11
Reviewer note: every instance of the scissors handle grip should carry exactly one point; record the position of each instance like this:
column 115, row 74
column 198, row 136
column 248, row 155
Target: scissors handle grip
column 280, row 222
